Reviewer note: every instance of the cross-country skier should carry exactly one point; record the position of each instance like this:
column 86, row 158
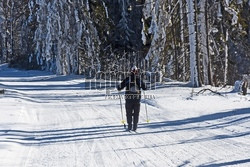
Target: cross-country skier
column 133, row 86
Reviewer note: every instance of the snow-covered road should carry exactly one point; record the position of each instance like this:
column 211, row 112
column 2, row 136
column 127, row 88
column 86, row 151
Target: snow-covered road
column 49, row 120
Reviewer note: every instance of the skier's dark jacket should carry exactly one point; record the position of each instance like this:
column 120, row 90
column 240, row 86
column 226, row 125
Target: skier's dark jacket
column 133, row 86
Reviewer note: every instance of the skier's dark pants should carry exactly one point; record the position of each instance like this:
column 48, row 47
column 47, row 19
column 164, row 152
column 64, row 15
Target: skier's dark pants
column 132, row 113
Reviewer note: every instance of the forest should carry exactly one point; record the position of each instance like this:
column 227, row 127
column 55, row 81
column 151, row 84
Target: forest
column 202, row 41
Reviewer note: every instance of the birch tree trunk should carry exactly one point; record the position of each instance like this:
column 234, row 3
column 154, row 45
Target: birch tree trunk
column 210, row 73
column 204, row 45
column 192, row 44
column 11, row 28
column 183, row 55
column 2, row 60
column 226, row 58
column 198, row 63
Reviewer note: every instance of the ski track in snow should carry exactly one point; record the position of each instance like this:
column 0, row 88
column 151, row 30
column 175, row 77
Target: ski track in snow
column 49, row 120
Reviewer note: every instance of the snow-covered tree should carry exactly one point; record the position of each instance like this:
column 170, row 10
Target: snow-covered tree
column 160, row 19
column 124, row 36
column 210, row 38
column 58, row 48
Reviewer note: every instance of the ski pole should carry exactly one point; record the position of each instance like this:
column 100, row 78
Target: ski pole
column 146, row 108
column 123, row 121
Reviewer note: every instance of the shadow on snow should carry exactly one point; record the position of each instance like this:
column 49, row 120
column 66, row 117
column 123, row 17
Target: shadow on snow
column 101, row 132
column 228, row 163
column 204, row 118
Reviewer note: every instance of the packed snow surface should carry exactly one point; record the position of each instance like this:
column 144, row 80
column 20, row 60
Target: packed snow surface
column 49, row 120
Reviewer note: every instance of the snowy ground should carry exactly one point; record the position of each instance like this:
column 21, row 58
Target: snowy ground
column 48, row 120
